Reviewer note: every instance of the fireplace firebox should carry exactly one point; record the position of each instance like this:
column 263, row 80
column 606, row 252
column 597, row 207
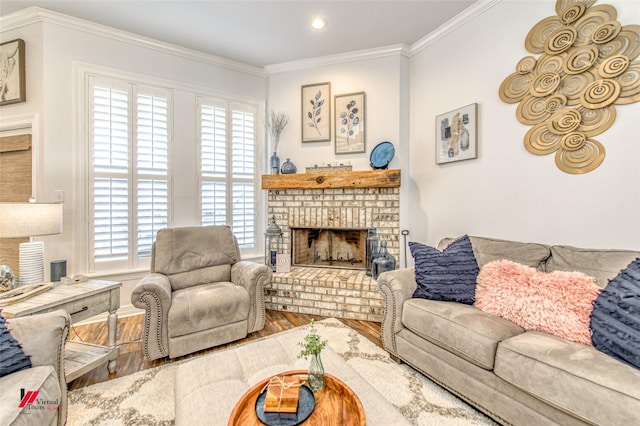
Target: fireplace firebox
column 329, row 247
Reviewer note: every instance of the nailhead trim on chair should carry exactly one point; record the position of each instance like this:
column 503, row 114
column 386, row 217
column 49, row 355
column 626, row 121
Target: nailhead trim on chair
column 62, row 416
column 147, row 324
column 392, row 350
column 261, row 277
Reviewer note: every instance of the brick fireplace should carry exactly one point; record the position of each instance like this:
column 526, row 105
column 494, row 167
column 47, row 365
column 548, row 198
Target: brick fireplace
column 346, row 205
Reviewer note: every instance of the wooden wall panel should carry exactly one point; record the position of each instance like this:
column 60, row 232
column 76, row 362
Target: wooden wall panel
column 15, row 185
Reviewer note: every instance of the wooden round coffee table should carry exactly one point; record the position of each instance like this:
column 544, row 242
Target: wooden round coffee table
column 336, row 404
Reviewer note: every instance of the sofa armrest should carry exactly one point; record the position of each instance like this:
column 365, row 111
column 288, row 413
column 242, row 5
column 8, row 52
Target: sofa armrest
column 253, row 277
column 153, row 294
column 43, row 337
column 396, row 287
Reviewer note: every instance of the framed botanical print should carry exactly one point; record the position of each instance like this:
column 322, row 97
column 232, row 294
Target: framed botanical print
column 316, row 112
column 12, row 77
column 457, row 135
column 350, row 123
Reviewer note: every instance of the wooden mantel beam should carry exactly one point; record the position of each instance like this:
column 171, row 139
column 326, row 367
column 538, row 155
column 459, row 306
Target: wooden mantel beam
column 354, row 179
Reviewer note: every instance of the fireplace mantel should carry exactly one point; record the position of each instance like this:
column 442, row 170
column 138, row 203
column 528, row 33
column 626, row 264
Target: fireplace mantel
column 353, row 179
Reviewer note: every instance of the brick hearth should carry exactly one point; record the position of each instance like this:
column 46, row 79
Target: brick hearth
column 340, row 293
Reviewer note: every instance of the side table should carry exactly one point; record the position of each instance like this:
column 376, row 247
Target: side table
column 81, row 300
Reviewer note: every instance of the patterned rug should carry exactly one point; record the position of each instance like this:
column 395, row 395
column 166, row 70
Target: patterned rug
column 146, row 397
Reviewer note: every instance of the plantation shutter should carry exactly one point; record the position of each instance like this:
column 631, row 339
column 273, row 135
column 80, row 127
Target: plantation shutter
column 214, row 165
column 129, row 134
column 243, row 171
column 152, row 169
column 110, row 137
column 228, row 167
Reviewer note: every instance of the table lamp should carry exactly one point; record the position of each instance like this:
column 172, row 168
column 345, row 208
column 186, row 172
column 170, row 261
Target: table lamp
column 20, row 220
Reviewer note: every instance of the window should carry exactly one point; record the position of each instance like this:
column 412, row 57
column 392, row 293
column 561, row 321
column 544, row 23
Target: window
column 129, row 134
column 228, row 167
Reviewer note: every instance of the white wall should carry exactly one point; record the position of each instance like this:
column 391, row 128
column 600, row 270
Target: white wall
column 379, row 78
column 508, row 192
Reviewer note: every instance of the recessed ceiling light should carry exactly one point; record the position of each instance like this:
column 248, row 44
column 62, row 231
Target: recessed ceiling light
column 318, row 23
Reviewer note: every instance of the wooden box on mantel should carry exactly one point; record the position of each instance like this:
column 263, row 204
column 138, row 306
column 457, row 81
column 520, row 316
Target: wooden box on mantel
column 354, row 179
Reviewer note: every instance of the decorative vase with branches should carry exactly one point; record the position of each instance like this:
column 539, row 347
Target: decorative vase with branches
column 275, row 123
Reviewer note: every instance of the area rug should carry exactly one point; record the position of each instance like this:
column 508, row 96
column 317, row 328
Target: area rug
column 146, row 397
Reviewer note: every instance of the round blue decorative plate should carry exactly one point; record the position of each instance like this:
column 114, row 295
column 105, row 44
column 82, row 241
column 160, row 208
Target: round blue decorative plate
column 381, row 155
column 306, row 404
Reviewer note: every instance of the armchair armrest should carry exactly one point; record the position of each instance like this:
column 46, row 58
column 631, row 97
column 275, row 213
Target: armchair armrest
column 153, row 294
column 43, row 337
column 253, row 277
column 396, row 287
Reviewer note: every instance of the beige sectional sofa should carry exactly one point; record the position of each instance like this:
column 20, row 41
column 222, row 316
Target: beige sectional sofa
column 42, row 337
column 515, row 376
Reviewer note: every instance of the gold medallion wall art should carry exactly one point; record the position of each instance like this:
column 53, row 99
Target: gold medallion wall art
column 568, row 93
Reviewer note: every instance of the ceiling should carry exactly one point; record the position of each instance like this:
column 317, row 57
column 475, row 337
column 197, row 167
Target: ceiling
column 263, row 32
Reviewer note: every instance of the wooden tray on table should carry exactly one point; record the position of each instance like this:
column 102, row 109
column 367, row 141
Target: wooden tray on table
column 335, row 404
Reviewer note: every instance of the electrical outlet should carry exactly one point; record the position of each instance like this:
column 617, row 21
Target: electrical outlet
column 58, row 195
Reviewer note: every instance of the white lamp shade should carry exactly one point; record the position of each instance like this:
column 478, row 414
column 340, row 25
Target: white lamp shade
column 19, row 220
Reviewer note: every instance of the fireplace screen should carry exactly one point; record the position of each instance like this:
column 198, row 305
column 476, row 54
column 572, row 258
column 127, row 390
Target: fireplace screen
column 329, row 248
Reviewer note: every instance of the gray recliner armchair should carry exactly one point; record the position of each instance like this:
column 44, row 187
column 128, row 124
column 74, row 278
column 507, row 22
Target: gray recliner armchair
column 199, row 293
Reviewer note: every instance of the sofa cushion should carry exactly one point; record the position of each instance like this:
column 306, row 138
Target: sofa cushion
column 573, row 377
column 42, row 410
column 601, row 264
column 12, row 357
column 615, row 321
column 559, row 302
column 207, row 306
column 210, row 274
column 462, row 329
column 490, row 249
column 445, row 275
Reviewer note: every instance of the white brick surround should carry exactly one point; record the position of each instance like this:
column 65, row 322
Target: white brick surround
column 342, row 293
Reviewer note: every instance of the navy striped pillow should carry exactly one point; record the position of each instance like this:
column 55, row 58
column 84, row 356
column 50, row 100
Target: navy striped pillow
column 448, row 275
column 12, row 357
column 615, row 320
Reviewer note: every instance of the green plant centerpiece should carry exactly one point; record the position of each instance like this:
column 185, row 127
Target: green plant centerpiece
column 312, row 345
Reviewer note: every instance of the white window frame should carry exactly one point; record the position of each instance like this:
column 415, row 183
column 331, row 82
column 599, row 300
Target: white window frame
column 133, row 88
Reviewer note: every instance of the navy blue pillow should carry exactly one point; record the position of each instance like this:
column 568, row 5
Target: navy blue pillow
column 448, row 275
column 615, row 320
column 12, row 358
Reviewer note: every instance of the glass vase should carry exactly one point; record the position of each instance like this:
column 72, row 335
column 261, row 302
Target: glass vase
column 275, row 164
column 371, row 250
column 316, row 373
column 383, row 262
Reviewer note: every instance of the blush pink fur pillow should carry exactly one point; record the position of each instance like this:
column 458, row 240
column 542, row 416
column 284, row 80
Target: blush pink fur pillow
column 558, row 302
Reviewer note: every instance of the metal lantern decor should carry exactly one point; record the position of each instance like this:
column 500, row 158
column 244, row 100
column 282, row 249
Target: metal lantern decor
column 272, row 244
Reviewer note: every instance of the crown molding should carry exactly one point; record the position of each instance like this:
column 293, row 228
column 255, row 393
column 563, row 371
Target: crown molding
column 341, row 58
column 34, row 15
column 453, row 24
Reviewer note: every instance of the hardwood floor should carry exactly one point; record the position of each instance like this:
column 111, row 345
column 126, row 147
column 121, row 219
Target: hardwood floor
column 131, row 357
